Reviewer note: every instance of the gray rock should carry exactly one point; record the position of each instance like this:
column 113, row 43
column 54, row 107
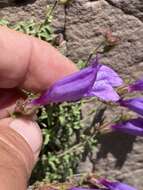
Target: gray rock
column 86, row 21
column 22, row 12
column 129, row 7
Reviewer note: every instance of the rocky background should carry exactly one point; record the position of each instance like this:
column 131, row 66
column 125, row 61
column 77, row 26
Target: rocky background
column 82, row 23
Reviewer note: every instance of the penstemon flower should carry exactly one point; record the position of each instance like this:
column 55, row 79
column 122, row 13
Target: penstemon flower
column 82, row 188
column 134, row 104
column 115, row 185
column 95, row 80
column 72, row 87
column 136, row 86
column 108, row 185
column 132, row 126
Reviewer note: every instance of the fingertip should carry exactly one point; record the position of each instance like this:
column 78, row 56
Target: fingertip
column 30, row 131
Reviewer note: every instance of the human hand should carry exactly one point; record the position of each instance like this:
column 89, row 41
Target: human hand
column 30, row 64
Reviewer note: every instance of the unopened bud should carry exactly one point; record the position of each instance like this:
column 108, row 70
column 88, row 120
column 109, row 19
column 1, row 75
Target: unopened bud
column 111, row 39
column 64, row 1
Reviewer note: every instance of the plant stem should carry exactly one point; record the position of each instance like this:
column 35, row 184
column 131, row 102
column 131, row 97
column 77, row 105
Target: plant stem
column 72, row 149
column 95, row 51
column 53, row 8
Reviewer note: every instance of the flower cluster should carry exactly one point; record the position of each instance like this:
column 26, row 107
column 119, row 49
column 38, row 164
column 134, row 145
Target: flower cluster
column 100, row 81
column 95, row 80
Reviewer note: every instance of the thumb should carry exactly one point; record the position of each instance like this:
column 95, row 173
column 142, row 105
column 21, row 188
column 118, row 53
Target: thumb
column 29, row 130
column 20, row 143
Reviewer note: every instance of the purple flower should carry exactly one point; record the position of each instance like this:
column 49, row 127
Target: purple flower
column 82, row 188
column 116, row 185
column 134, row 104
column 91, row 81
column 132, row 126
column 136, row 86
column 72, row 87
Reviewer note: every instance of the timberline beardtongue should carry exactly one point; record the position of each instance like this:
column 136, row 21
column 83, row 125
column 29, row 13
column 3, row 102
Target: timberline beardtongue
column 132, row 127
column 95, row 80
column 136, row 86
column 107, row 185
column 115, row 185
column 134, row 104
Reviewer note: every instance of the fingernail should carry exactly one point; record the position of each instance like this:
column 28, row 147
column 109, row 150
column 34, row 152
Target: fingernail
column 31, row 132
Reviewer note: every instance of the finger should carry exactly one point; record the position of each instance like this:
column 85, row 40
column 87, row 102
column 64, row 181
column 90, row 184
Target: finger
column 8, row 97
column 27, row 129
column 20, row 144
column 30, row 63
column 8, row 111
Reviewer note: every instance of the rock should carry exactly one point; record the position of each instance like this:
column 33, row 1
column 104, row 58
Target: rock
column 86, row 21
column 129, row 7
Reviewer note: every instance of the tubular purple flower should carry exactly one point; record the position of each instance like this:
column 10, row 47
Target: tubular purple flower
column 80, row 85
column 136, row 86
column 82, row 188
column 70, row 88
column 132, row 127
column 134, row 104
column 116, row 185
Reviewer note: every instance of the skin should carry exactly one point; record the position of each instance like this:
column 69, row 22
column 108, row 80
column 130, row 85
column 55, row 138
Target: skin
column 34, row 65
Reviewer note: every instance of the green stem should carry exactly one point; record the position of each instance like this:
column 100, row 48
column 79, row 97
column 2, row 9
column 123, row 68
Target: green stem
column 95, row 51
column 52, row 9
column 71, row 150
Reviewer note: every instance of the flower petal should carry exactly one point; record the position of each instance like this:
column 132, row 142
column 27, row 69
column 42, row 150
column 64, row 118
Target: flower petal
column 107, row 74
column 132, row 126
column 104, row 91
